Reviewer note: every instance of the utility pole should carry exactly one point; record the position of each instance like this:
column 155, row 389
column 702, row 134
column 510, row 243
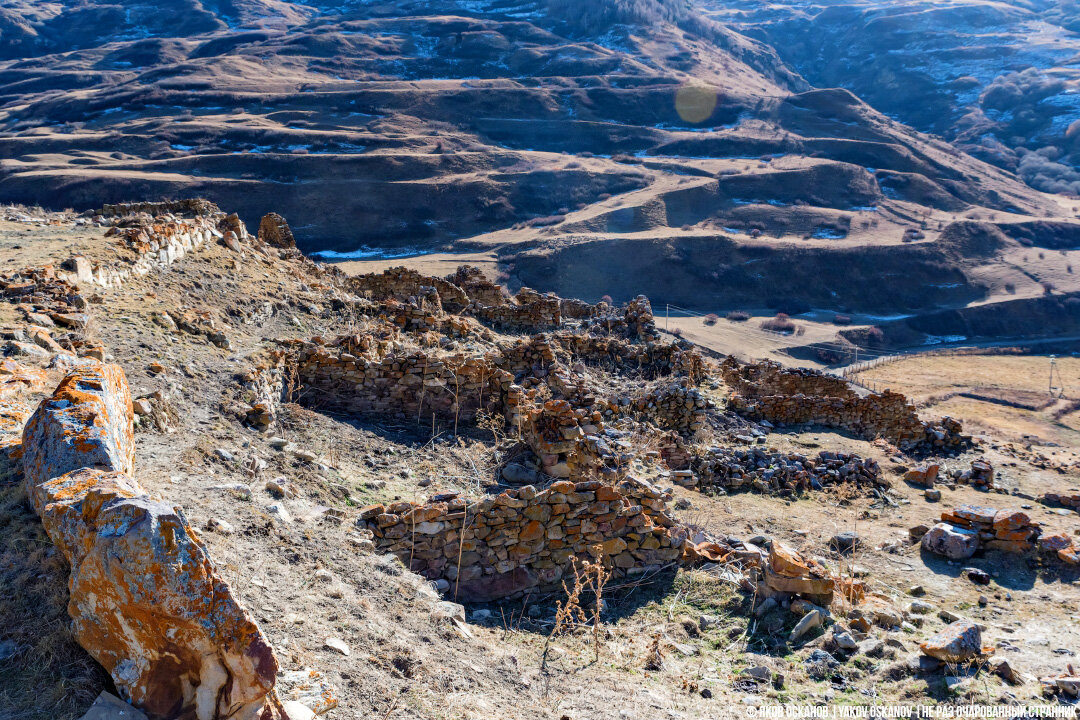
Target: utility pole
column 1053, row 367
column 667, row 316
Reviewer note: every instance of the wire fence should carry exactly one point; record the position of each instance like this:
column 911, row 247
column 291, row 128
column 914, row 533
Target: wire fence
column 859, row 358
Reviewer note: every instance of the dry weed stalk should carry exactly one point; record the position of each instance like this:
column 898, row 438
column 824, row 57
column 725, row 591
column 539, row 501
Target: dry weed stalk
column 590, row 577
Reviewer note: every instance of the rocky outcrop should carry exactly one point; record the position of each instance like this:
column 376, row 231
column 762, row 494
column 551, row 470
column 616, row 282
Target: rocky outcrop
column 145, row 601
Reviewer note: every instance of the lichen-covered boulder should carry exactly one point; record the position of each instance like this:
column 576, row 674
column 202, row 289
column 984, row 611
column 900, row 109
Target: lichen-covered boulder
column 959, row 641
column 145, row 600
column 86, row 423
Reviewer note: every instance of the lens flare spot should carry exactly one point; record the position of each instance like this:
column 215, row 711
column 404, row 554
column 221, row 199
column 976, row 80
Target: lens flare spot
column 695, row 103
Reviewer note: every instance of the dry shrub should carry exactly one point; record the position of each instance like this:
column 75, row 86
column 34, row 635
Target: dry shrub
column 781, row 324
column 738, row 316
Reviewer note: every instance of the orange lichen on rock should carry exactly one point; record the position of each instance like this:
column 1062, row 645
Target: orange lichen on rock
column 145, row 600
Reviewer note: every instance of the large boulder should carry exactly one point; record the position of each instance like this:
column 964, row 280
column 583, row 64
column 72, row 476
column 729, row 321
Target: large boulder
column 145, row 601
column 955, row 543
column 274, row 231
column 86, row 423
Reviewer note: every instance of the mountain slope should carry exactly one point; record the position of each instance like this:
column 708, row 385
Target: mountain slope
column 541, row 132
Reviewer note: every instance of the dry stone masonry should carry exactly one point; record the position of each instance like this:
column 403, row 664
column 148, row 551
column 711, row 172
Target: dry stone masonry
column 767, row 391
column 525, row 539
column 968, row 529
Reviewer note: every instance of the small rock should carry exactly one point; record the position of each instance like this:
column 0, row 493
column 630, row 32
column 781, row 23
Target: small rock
column 920, row 607
column 932, row 494
column 224, row 454
column 916, row 591
column 446, row 610
column 142, row 406
column 297, row 710
column 845, row 542
column 218, row 525
column 278, row 443
column 759, row 672
column 957, row 642
column 338, row 645
column 1001, row 667
column 977, row 576
column 278, row 487
column 324, row 575
column 280, row 510
column 517, row 474
column 844, row 641
column 809, row 621
column 953, row 542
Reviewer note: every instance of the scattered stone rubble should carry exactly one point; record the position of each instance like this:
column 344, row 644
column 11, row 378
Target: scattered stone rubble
column 774, row 473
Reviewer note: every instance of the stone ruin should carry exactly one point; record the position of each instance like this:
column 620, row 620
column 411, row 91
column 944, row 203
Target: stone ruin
column 786, row 396
column 525, row 539
column 432, row 348
column 432, row 351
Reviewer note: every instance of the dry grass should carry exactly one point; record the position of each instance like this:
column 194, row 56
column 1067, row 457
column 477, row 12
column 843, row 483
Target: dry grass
column 49, row 673
column 934, row 382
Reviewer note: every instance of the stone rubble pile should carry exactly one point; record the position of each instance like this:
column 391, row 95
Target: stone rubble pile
column 56, row 316
column 788, row 571
column 968, row 529
column 774, row 473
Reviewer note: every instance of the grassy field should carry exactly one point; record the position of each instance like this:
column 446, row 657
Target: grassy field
column 1006, row 394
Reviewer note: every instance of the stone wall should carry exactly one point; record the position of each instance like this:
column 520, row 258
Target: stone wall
column 526, row 539
column 479, row 289
column 415, row 384
column 191, row 206
column 401, row 283
column 651, row 359
column 528, row 311
column 771, row 378
column 765, row 391
column 678, row 406
column 468, row 292
column 155, row 244
column 145, row 600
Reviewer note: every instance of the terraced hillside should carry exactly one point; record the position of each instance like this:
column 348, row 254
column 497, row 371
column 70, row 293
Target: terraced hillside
column 1001, row 80
column 598, row 149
